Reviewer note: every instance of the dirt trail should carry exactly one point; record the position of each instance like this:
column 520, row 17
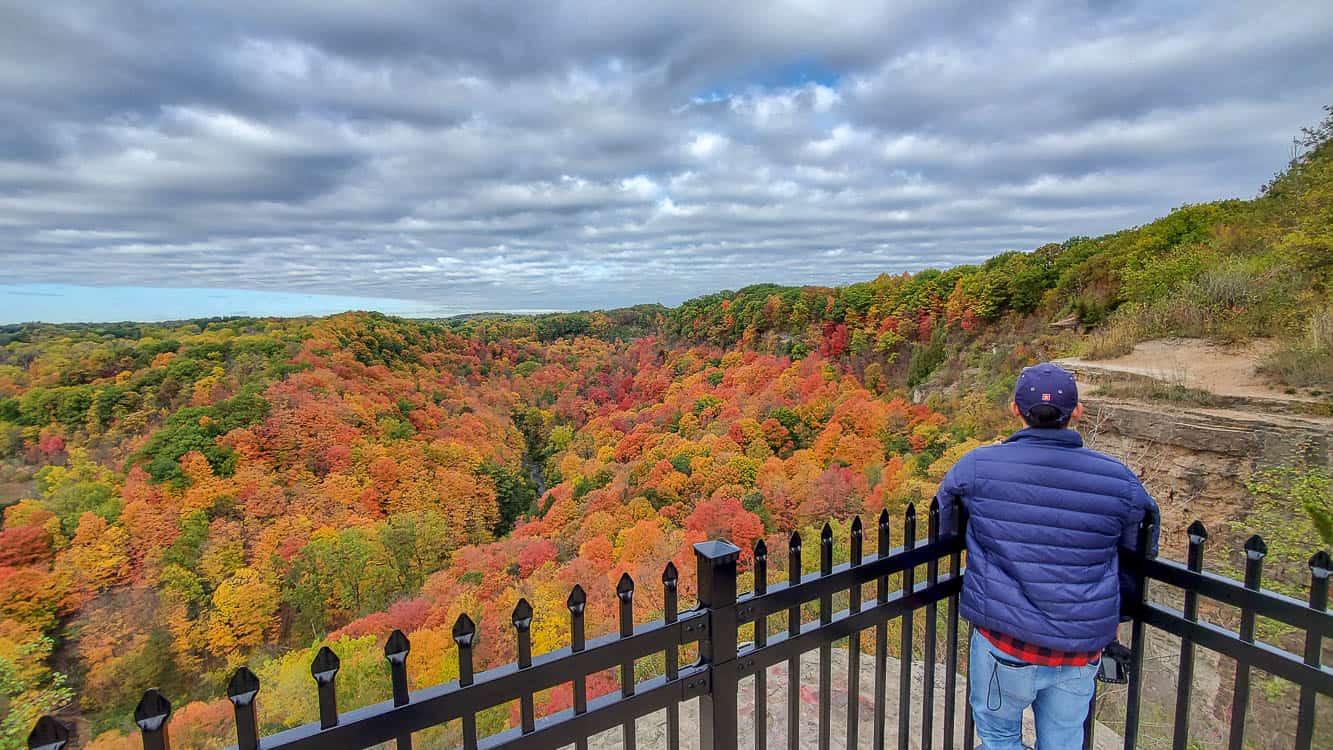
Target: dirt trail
column 1195, row 363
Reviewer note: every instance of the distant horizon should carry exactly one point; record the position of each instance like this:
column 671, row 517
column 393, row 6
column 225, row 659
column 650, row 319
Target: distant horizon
column 193, row 303
column 270, row 304
column 48, row 298
column 289, row 305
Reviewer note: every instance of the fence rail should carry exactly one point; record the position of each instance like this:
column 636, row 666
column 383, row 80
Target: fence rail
column 723, row 661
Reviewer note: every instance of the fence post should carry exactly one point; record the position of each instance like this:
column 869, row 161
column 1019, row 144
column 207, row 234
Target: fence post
column 1134, row 697
column 671, row 613
column 717, row 593
column 1198, row 535
column 396, row 650
column 1255, row 552
column 324, row 669
column 826, row 650
column 793, row 630
column 578, row 605
column 465, row 635
column 958, row 526
column 1320, row 568
column 522, row 621
column 242, row 690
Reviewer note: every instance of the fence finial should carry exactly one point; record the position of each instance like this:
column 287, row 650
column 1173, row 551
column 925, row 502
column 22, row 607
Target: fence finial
column 396, row 650
column 522, row 621
column 242, row 686
column 464, row 630
column 856, row 540
column 625, row 587
column 1320, row 565
column 1197, row 532
column 522, row 615
column 153, row 711
column 465, row 634
column 670, row 576
column 577, row 601
column 397, row 647
column 909, row 527
column 151, row 715
column 1256, row 547
column 325, row 665
column 48, row 734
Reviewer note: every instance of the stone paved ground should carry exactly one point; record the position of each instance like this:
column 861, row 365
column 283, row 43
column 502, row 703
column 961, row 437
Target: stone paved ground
column 651, row 730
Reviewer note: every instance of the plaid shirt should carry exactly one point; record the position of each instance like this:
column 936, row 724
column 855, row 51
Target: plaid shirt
column 1039, row 655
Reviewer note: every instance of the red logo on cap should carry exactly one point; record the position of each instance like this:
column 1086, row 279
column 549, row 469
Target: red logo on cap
column 1045, row 397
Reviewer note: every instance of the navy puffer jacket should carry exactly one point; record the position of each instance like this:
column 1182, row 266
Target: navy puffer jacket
column 1047, row 518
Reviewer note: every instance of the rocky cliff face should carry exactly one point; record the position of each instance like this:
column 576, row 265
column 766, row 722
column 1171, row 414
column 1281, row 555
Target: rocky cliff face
column 1196, row 461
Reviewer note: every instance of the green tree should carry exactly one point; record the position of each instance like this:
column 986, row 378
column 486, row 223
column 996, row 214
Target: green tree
column 925, row 358
column 197, row 428
column 27, row 690
column 81, row 487
column 514, row 491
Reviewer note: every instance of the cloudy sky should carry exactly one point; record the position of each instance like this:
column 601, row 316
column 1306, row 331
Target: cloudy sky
column 163, row 159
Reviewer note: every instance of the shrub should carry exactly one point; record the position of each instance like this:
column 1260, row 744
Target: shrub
column 1307, row 362
column 1115, row 340
column 924, row 360
column 1293, row 505
column 1228, row 285
column 1321, row 329
column 1301, row 366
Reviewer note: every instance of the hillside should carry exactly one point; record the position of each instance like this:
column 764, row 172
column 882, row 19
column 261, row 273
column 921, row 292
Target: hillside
column 186, row 497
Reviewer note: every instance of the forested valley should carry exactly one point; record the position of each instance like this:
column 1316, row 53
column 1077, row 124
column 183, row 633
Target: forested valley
column 184, row 498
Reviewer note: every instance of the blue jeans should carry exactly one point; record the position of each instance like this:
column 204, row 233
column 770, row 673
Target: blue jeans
column 1003, row 687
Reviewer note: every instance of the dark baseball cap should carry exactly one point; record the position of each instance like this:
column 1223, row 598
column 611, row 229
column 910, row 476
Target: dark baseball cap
column 1049, row 384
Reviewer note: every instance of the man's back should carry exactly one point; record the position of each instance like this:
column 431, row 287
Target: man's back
column 1042, row 588
column 1047, row 518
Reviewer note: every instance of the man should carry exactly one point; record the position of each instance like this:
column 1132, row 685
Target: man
column 1042, row 587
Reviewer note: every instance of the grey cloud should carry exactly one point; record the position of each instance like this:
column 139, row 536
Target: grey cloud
column 479, row 155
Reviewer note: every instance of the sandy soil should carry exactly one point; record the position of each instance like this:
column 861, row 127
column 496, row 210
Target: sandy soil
column 1195, row 363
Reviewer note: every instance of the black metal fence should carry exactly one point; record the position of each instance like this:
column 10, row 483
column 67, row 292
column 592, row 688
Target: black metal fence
column 715, row 625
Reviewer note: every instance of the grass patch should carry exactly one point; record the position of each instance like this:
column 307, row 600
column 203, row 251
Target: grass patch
column 1156, row 390
column 1308, row 361
column 1301, row 366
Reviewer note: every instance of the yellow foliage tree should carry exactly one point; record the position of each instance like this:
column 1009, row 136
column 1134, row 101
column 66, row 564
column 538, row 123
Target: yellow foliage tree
column 244, row 614
column 98, row 556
